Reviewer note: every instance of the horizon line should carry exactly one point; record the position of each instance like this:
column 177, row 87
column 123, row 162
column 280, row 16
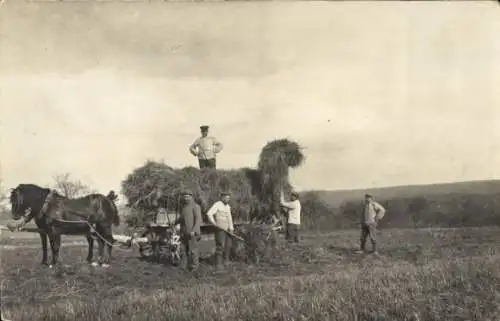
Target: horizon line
column 404, row 185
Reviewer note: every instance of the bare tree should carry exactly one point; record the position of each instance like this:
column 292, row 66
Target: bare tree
column 69, row 187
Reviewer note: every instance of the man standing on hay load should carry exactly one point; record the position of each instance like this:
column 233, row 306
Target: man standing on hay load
column 220, row 216
column 373, row 212
column 190, row 221
column 205, row 148
column 293, row 209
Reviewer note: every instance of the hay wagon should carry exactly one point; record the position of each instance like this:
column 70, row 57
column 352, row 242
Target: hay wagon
column 160, row 240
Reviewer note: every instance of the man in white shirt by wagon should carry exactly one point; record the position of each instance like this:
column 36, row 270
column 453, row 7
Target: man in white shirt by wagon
column 294, row 209
column 220, row 215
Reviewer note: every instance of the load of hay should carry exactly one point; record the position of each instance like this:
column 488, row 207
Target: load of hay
column 275, row 161
column 155, row 185
column 254, row 192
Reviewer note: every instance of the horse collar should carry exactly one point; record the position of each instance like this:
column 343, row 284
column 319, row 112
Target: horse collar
column 29, row 211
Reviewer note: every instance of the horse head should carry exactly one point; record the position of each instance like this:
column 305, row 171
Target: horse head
column 25, row 199
column 17, row 204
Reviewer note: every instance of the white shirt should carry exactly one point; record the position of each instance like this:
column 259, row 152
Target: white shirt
column 294, row 209
column 373, row 211
column 205, row 147
column 220, row 214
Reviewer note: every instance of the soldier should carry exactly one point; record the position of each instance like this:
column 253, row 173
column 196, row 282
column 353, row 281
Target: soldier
column 190, row 221
column 205, row 148
column 220, row 215
column 373, row 212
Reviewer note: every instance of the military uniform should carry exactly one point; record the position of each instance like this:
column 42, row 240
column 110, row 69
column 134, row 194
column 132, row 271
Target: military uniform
column 190, row 220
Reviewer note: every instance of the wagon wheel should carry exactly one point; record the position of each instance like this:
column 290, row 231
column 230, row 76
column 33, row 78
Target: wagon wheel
column 170, row 251
column 175, row 255
column 146, row 250
column 158, row 247
column 169, row 254
column 163, row 251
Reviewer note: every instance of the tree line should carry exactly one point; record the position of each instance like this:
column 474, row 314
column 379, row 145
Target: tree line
column 447, row 210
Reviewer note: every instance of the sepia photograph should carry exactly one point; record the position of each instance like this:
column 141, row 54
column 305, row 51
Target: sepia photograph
column 249, row 160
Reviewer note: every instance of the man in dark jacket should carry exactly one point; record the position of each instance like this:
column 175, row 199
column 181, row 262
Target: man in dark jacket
column 190, row 221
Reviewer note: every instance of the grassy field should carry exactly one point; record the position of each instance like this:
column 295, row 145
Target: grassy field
column 434, row 274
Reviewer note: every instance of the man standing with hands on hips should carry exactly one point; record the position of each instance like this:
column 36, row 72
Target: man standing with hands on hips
column 373, row 212
column 205, row 148
column 220, row 215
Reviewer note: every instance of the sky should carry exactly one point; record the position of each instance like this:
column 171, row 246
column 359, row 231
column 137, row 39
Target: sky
column 378, row 93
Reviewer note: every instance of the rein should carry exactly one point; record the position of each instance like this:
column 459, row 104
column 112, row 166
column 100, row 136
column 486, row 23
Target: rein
column 92, row 228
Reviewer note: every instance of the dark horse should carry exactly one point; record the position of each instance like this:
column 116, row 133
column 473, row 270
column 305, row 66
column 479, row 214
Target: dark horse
column 56, row 215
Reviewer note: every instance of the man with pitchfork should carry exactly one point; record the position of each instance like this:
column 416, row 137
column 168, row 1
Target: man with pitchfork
column 293, row 209
column 220, row 216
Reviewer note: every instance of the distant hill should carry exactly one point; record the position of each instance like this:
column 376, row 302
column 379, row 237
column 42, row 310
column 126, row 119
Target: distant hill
column 475, row 203
column 337, row 197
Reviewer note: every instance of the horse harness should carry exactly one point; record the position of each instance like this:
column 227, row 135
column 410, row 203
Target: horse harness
column 29, row 211
column 28, row 216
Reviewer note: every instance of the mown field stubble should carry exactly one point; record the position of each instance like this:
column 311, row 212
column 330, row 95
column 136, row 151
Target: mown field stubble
column 434, row 274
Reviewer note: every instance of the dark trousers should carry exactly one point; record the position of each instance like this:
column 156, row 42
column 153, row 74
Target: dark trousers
column 369, row 230
column 292, row 232
column 223, row 247
column 207, row 163
column 190, row 253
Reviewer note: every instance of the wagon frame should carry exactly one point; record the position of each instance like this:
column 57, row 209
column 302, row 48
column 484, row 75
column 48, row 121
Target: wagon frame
column 160, row 240
column 163, row 242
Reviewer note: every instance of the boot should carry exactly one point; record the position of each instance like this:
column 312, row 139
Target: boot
column 183, row 262
column 195, row 262
column 361, row 249
column 218, row 261
column 226, row 261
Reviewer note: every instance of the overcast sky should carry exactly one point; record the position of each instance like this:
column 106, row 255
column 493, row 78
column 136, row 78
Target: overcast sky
column 380, row 93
